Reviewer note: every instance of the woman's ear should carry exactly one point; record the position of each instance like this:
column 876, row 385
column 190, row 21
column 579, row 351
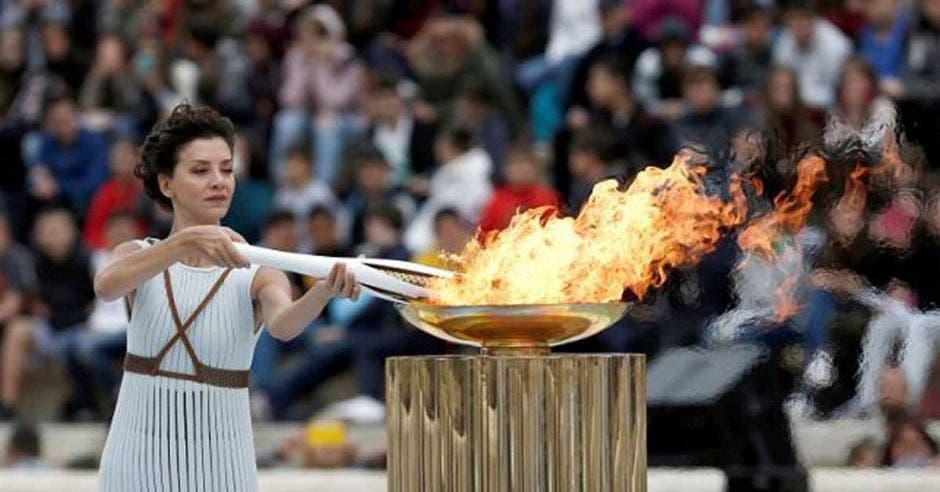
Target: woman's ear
column 164, row 182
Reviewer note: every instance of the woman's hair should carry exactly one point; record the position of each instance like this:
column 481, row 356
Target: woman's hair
column 160, row 151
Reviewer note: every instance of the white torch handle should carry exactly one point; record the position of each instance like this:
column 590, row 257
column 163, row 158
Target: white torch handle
column 371, row 280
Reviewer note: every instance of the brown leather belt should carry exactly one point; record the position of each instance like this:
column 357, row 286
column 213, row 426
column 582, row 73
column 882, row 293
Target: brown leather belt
column 223, row 378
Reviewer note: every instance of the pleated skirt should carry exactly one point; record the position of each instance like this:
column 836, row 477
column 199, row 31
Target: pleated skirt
column 177, row 435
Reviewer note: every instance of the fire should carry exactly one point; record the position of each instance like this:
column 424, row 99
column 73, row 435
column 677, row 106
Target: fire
column 790, row 210
column 623, row 242
column 763, row 237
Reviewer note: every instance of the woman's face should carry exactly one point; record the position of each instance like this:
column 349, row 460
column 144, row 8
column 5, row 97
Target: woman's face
column 856, row 90
column 601, row 86
column 203, row 180
column 781, row 91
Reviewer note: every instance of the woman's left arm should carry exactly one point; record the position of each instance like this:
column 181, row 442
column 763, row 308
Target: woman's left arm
column 286, row 319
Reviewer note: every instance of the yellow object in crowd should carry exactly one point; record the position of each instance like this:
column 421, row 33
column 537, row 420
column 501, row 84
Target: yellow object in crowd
column 325, row 433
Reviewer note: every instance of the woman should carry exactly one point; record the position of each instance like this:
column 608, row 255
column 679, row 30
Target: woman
column 857, row 97
column 182, row 419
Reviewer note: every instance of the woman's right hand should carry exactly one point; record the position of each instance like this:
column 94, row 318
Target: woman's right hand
column 215, row 243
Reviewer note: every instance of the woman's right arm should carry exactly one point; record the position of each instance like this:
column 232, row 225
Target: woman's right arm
column 131, row 264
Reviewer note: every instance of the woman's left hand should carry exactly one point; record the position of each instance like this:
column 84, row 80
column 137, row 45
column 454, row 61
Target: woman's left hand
column 339, row 283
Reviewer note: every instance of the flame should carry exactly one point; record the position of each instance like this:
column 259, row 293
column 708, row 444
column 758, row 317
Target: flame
column 623, row 242
column 892, row 166
column 763, row 237
column 790, row 210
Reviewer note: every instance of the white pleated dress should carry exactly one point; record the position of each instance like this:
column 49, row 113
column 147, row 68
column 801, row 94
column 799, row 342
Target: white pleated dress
column 172, row 430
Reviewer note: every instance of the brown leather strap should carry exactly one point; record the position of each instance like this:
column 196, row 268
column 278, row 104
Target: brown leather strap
column 182, row 327
column 223, row 378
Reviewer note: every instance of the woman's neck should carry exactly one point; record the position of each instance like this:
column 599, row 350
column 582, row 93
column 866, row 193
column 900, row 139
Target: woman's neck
column 182, row 220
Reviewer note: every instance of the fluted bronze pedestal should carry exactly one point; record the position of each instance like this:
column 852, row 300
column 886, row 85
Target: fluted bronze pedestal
column 517, row 422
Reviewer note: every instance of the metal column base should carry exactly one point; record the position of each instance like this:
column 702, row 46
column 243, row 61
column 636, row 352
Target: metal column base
column 560, row 423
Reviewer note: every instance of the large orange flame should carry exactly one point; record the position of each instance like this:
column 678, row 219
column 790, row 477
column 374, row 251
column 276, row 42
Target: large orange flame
column 622, row 243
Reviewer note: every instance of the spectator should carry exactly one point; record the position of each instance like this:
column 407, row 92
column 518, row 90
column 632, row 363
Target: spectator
column 639, row 138
column 813, row 48
column 302, row 190
column 706, row 123
column 71, row 161
column 17, row 275
column 882, row 40
column 574, row 27
column 24, row 449
column 62, row 60
column 462, row 181
column 120, row 192
column 111, row 91
column 151, row 69
column 373, row 187
column 920, row 78
column 658, row 74
column 649, row 15
column 322, row 227
column 213, row 71
column 787, row 122
column 320, row 91
column 589, row 163
column 271, row 23
column 451, row 234
column 280, row 232
column 264, row 77
column 857, row 98
column 383, row 230
column 99, row 349
column 251, row 203
column 921, row 68
column 127, row 19
column 31, row 14
column 12, row 68
column 522, row 190
column 406, row 142
column 621, row 42
column 751, row 58
column 60, row 315
column 864, row 454
column 449, row 54
column 490, row 129
column 908, row 445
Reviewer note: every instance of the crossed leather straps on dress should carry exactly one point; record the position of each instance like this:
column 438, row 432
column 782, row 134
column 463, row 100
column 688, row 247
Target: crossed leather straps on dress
column 226, row 378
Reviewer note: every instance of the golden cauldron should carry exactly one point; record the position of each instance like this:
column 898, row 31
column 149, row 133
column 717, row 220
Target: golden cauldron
column 513, row 329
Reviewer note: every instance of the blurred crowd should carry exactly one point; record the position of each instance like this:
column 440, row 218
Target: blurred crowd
column 397, row 128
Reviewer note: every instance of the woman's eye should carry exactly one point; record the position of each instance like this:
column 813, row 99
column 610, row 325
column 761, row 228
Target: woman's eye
column 199, row 171
column 227, row 170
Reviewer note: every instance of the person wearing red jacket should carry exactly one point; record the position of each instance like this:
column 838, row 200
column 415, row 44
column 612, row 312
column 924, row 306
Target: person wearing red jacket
column 120, row 193
column 522, row 190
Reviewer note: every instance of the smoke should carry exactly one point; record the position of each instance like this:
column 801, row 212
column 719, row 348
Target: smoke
column 778, row 251
column 767, row 289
